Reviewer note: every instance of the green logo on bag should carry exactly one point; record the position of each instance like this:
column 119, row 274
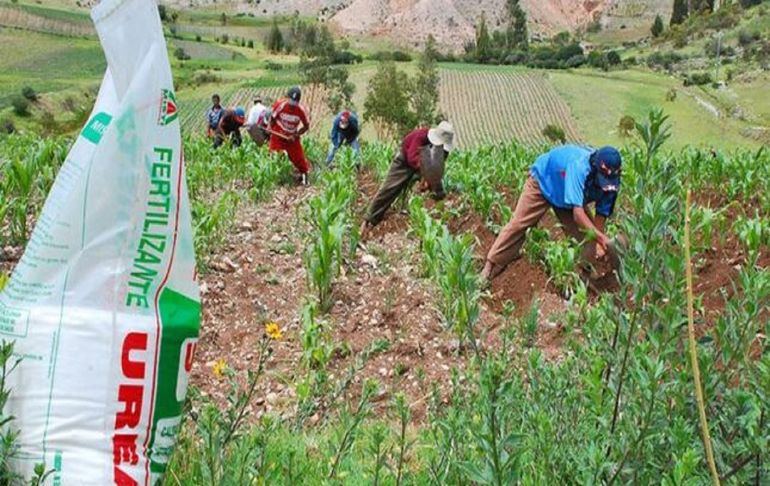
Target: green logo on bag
column 96, row 126
column 168, row 112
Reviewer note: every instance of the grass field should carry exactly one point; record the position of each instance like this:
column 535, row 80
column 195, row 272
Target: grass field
column 599, row 100
column 46, row 62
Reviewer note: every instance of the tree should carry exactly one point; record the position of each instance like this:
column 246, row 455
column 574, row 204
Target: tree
column 657, row 27
column 387, row 103
column 517, row 34
column 274, row 39
column 223, row 18
column 483, row 41
column 613, row 58
column 680, row 12
column 320, row 75
column 425, row 86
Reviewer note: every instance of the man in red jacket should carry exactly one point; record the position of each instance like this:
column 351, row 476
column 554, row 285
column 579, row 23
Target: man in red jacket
column 289, row 121
column 422, row 154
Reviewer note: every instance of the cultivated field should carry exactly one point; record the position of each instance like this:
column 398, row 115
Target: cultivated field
column 495, row 105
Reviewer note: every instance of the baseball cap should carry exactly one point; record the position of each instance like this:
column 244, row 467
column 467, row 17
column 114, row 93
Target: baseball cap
column 443, row 135
column 294, row 94
column 240, row 112
column 345, row 118
column 608, row 162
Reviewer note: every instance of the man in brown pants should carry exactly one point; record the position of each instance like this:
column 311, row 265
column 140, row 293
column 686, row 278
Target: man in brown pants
column 566, row 179
column 422, row 153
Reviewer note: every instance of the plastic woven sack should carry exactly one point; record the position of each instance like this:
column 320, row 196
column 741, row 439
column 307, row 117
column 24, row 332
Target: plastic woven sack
column 103, row 306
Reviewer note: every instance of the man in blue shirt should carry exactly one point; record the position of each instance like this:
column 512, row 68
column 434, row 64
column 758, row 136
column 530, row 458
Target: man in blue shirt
column 345, row 130
column 567, row 179
column 213, row 116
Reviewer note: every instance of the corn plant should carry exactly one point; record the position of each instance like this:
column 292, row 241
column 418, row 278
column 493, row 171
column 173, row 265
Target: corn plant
column 561, row 258
column 429, row 232
column 212, row 221
column 460, row 288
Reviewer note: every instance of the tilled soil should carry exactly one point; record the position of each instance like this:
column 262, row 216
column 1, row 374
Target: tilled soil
column 258, row 276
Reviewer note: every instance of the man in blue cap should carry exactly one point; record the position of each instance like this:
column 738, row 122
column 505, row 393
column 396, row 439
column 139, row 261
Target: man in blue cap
column 230, row 126
column 345, row 130
column 568, row 179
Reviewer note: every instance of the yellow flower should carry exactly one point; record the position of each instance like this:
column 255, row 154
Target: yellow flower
column 219, row 368
column 273, row 330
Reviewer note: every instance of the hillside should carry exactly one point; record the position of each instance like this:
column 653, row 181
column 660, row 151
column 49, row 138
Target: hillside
column 408, row 22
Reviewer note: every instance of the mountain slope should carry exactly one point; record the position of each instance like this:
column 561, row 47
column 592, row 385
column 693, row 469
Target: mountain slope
column 408, row 22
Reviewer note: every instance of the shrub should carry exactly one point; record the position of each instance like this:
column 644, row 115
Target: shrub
column 671, row 95
column 665, row 60
column 273, row 66
column 346, row 57
column 29, row 93
column 626, row 125
column 181, row 54
column 8, row 127
column 250, row 44
column 401, row 56
column 206, row 77
column 20, row 106
column 745, row 37
column 225, row 38
column 613, row 58
column 48, row 122
column 198, row 38
column 698, row 79
column 554, row 133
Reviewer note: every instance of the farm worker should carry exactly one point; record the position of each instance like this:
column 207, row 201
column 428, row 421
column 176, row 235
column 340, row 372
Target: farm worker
column 288, row 122
column 423, row 154
column 345, row 130
column 256, row 122
column 567, row 179
column 255, row 112
column 230, row 126
column 213, row 116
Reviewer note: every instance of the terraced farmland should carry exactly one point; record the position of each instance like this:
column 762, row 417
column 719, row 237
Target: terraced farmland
column 41, row 19
column 498, row 105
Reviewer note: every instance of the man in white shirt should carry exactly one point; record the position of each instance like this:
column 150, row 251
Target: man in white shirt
column 255, row 111
column 256, row 123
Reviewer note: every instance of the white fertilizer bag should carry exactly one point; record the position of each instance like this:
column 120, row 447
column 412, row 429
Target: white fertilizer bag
column 103, row 306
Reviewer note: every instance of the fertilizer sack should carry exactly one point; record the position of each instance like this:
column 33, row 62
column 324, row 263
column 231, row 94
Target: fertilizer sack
column 103, row 306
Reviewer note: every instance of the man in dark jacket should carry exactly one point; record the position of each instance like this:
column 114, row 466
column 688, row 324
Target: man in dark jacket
column 213, row 116
column 345, row 130
column 230, row 126
column 423, row 153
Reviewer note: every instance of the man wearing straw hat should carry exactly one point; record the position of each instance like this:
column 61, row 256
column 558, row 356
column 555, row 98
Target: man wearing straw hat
column 423, row 154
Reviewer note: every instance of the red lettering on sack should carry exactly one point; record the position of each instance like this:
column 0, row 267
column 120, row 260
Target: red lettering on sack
column 123, row 479
column 124, row 449
column 134, row 342
column 131, row 396
column 188, row 357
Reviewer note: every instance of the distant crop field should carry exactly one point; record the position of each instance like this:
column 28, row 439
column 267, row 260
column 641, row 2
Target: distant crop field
column 501, row 105
column 46, row 63
column 46, row 20
column 204, row 50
